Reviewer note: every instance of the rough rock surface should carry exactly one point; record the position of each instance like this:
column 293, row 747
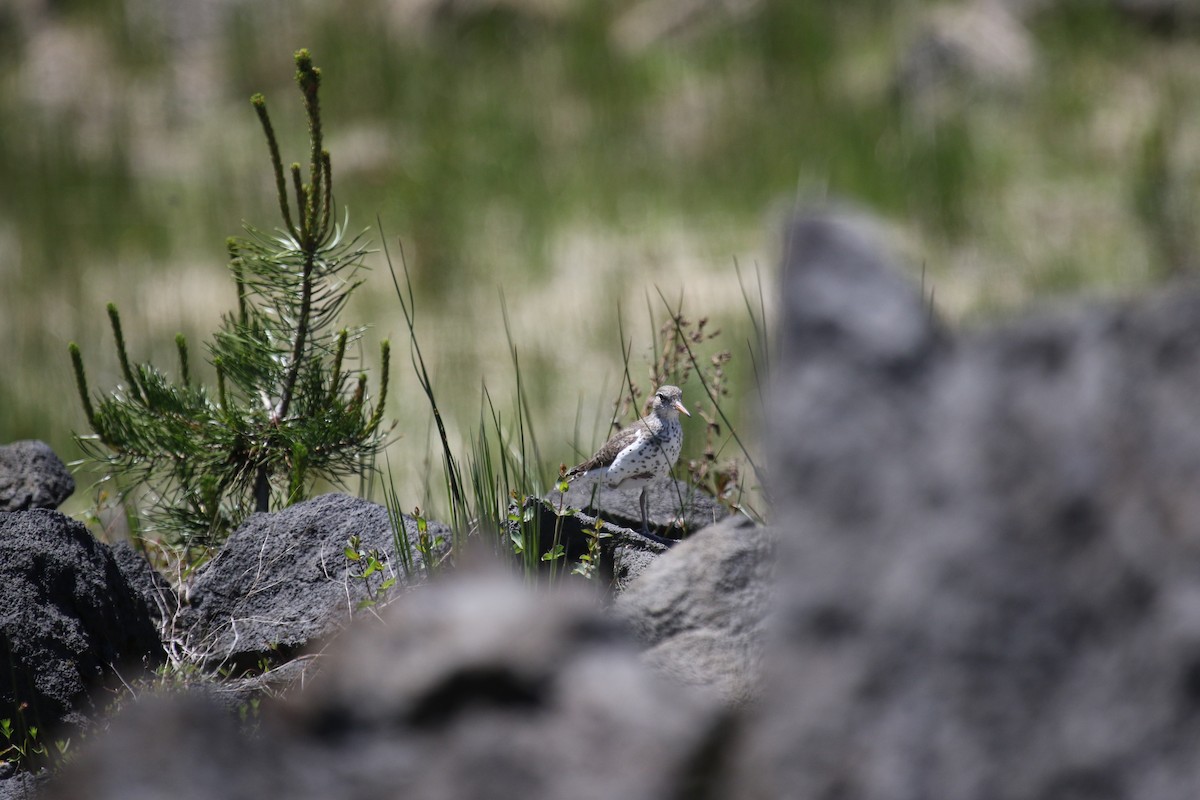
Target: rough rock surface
column 992, row 561
column 675, row 507
column 701, row 609
column 32, row 476
column 282, row 579
column 472, row 687
column 69, row 621
column 160, row 598
column 15, row 785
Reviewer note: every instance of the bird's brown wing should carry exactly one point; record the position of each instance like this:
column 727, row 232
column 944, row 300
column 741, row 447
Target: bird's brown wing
column 608, row 453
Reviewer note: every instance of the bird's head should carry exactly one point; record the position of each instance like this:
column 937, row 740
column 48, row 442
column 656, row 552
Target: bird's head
column 668, row 402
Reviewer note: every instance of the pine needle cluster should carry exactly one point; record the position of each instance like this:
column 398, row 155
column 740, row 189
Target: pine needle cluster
column 286, row 409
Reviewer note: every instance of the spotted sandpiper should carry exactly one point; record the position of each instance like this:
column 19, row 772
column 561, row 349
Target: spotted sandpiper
column 641, row 453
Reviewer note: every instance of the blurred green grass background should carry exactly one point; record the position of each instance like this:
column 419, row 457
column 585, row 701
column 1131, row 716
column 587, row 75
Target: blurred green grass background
column 574, row 158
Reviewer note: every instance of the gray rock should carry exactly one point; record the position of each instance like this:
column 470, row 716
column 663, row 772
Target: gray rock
column 701, row 609
column 181, row 745
column 156, row 592
column 472, row 687
column 991, row 557
column 69, row 623
column 675, row 507
column 32, row 476
column 630, row 557
column 16, row 785
column 282, row 580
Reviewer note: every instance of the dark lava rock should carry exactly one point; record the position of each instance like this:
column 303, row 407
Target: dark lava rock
column 69, row 622
column 32, row 476
column 17, row 785
column 675, row 507
column 156, row 592
column 624, row 553
column 282, row 580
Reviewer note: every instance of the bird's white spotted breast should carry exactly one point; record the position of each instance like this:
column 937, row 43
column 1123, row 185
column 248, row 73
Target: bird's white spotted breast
column 649, row 457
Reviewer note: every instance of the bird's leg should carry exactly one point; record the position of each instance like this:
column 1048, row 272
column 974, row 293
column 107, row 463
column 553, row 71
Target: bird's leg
column 642, row 504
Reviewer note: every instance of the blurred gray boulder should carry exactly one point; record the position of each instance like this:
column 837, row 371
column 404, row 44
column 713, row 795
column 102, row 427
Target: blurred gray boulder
column 701, row 608
column 471, row 687
column 991, row 541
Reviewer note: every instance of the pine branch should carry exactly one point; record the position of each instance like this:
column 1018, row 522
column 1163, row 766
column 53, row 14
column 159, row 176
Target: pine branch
column 81, row 384
column 335, row 374
column 309, row 79
column 289, row 385
column 235, row 266
column 260, row 107
column 301, row 204
column 114, row 318
column 385, row 351
column 327, row 198
column 181, row 345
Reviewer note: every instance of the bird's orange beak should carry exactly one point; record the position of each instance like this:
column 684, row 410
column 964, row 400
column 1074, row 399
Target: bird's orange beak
column 682, row 410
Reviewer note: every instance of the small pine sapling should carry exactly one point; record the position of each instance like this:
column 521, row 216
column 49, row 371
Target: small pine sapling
column 285, row 409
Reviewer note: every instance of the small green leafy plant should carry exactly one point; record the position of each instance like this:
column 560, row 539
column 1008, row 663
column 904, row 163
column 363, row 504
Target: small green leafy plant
column 23, row 745
column 589, row 560
column 366, row 564
column 285, row 409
